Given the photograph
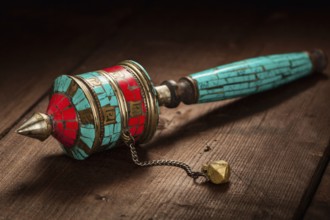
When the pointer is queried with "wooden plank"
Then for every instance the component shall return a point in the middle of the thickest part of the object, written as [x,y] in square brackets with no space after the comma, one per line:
[124,47]
[302,32]
[35,49]
[273,141]
[320,205]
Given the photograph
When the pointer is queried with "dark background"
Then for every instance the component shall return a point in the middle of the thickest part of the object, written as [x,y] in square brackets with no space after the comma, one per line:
[40,40]
[25,23]
[106,4]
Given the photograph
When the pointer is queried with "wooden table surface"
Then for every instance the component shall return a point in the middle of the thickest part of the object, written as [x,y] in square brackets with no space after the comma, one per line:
[277,142]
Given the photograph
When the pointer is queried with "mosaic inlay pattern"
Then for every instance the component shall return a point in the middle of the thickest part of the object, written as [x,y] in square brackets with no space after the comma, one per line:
[68,108]
[108,103]
[135,103]
[251,76]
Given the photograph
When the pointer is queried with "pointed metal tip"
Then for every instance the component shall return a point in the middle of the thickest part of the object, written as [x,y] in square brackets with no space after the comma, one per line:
[19,131]
[38,126]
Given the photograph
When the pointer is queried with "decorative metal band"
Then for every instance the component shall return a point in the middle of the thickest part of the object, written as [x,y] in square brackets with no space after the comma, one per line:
[120,96]
[94,108]
[150,97]
[96,147]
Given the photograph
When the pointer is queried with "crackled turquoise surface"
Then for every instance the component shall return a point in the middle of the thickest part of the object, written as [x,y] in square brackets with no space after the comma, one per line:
[251,76]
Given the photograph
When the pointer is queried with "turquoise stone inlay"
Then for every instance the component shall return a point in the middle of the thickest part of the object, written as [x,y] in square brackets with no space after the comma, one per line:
[87,134]
[62,83]
[251,76]
[79,154]
[106,97]
[80,101]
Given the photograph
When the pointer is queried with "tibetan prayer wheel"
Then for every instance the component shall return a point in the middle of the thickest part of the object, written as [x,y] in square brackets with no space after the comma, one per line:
[95,111]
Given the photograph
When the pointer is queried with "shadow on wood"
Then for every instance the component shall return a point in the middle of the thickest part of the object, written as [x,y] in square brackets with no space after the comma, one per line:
[239,109]
[66,177]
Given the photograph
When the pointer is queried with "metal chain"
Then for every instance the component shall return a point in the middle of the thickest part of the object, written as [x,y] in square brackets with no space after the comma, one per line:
[130,142]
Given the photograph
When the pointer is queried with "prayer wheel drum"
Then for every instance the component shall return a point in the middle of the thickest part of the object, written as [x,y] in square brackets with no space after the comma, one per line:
[89,111]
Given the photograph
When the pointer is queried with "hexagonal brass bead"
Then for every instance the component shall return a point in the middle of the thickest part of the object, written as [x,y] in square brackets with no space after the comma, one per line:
[218,172]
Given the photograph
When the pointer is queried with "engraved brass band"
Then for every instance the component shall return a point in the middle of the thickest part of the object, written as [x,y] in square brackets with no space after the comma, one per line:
[94,108]
[149,96]
[90,83]
[120,97]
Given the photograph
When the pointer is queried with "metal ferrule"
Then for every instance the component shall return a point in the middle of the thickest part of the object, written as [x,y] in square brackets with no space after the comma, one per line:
[171,93]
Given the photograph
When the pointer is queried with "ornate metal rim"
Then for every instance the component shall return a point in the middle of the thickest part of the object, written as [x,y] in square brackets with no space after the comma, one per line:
[149,95]
[120,97]
[95,112]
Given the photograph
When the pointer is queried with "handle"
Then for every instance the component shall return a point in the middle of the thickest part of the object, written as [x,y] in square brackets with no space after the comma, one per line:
[241,78]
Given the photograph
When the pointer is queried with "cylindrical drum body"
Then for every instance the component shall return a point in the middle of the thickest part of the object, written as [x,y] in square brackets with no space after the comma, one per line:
[90,111]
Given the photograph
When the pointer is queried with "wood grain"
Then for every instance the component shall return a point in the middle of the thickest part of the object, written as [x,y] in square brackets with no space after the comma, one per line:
[274,141]
[320,204]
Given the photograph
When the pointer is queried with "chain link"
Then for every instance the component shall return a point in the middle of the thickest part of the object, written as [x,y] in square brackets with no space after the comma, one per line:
[130,142]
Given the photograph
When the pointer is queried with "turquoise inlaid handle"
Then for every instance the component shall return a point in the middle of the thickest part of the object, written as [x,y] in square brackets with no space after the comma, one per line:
[252,75]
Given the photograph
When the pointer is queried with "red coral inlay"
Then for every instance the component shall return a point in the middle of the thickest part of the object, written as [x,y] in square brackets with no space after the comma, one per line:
[132,92]
[64,117]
